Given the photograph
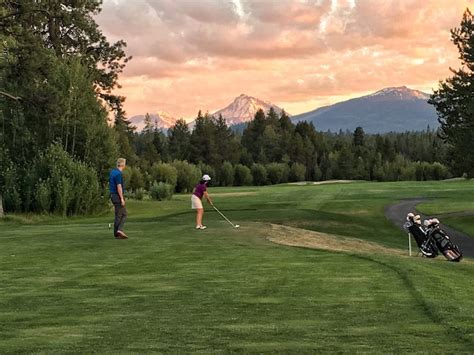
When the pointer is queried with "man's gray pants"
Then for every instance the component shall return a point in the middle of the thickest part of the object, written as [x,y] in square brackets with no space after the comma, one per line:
[120,213]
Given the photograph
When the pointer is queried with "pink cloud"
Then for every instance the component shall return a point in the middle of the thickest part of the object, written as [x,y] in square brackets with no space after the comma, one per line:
[191,55]
[288,13]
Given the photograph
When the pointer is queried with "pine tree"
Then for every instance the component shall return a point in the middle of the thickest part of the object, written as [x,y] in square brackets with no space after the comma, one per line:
[358,140]
[270,144]
[272,118]
[203,140]
[146,146]
[454,100]
[252,135]
[160,142]
[179,139]
[69,30]
[148,129]
[285,122]
[297,149]
[125,137]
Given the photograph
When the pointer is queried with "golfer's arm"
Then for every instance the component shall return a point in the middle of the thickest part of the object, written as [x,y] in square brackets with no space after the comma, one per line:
[120,192]
[208,198]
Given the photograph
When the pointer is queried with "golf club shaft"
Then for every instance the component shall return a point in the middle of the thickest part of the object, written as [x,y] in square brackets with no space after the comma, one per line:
[223,216]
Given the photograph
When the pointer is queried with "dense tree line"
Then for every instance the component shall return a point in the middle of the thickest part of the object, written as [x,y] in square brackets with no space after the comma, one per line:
[274,150]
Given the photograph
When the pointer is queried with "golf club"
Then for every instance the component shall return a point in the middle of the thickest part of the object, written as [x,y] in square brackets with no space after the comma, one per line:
[233,225]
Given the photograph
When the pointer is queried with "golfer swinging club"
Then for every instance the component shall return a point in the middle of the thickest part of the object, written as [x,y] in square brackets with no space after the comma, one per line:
[196,200]
[117,189]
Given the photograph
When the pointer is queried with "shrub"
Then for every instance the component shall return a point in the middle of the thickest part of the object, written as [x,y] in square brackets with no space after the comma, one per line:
[439,171]
[277,172]
[408,172]
[137,180]
[12,200]
[165,173]
[226,174]
[148,179]
[285,172]
[242,175]
[11,195]
[43,196]
[5,165]
[87,196]
[127,177]
[422,171]
[259,174]
[297,172]
[188,175]
[28,189]
[129,195]
[74,186]
[317,173]
[63,196]
[161,191]
[140,194]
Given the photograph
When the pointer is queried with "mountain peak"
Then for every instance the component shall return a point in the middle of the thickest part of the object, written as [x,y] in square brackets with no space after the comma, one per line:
[243,109]
[400,93]
[163,113]
[162,119]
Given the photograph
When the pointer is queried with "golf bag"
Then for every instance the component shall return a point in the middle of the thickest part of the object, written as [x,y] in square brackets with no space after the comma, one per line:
[442,241]
[427,246]
[431,239]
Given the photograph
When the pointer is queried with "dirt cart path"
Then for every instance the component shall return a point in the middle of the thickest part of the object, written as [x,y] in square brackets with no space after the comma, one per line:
[397,214]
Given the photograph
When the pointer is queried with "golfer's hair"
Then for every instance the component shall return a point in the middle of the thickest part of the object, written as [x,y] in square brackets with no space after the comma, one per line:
[121,162]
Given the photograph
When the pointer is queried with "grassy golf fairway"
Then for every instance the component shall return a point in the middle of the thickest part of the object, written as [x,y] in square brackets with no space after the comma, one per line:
[67,285]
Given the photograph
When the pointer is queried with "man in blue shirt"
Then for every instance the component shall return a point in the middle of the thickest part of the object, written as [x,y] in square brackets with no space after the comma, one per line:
[117,188]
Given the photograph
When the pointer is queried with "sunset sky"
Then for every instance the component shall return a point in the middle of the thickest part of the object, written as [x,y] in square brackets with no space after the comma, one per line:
[298,54]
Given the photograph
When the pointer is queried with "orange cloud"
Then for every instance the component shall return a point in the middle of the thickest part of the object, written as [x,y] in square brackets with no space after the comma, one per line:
[298,54]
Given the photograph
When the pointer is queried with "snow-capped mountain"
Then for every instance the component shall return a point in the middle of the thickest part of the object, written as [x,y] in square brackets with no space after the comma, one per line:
[398,93]
[394,109]
[243,109]
[161,119]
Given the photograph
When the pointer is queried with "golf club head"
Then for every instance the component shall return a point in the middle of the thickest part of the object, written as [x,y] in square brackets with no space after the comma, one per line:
[237,226]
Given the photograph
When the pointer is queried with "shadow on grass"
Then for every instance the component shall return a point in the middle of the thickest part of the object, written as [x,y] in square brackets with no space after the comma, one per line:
[418,298]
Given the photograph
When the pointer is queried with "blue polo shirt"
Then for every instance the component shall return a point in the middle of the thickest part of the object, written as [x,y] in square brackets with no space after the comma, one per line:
[115,178]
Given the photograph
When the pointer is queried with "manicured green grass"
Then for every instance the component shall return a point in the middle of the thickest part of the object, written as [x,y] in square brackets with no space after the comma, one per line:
[68,286]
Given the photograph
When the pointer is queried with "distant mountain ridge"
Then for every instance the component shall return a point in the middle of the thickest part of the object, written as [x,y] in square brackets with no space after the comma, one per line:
[395,109]
[241,110]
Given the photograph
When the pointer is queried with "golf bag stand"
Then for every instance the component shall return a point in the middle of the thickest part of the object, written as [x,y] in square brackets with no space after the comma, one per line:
[426,246]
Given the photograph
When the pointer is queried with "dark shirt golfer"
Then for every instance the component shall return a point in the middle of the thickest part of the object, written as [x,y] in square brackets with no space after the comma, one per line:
[200,191]
[117,188]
